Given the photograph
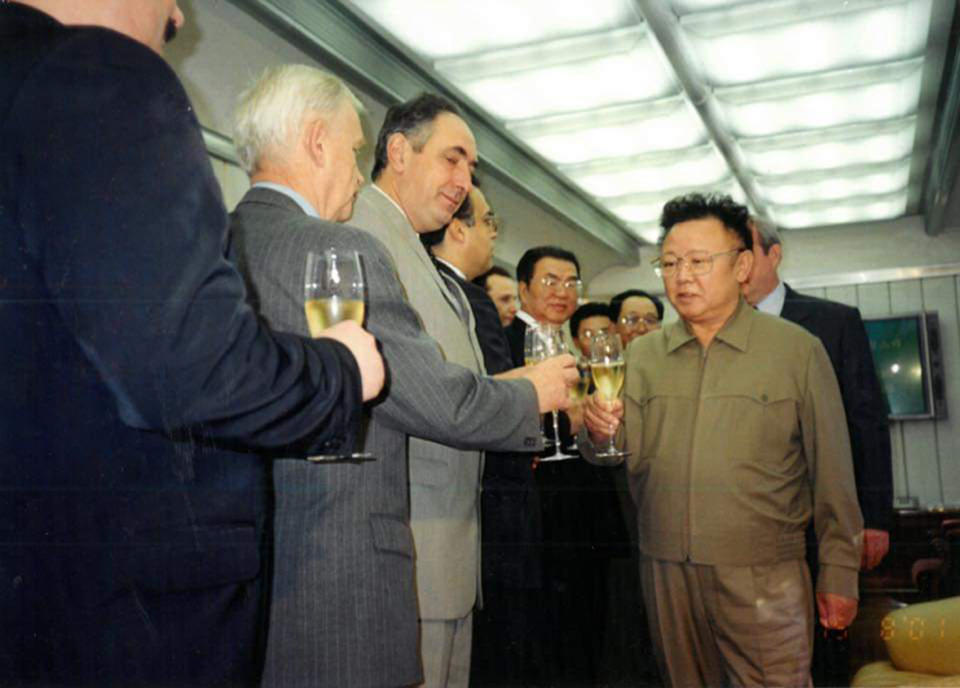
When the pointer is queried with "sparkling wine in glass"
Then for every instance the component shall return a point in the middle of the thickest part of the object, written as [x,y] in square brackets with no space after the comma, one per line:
[334,292]
[608,370]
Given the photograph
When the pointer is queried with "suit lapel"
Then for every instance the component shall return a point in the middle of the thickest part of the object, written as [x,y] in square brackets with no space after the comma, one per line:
[794,309]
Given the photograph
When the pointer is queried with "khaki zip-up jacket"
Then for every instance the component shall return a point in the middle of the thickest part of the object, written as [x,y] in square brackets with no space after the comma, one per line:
[736,447]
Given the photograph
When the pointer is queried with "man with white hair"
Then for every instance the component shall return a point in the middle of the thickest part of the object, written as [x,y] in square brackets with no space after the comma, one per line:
[344,608]
[137,386]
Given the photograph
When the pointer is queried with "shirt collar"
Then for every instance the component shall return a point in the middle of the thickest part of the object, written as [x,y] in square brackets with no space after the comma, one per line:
[772,303]
[735,332]
[291,194]
[527,318]
[390,198]
[457,271]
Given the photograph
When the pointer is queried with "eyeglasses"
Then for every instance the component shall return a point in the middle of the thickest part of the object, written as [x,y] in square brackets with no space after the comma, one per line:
[590,335]
[650,321]
[699,262]
[551,282]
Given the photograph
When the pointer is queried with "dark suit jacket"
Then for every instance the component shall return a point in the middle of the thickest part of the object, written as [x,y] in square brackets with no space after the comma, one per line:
[344,611]
[130,539]
[841,330]
[510,503]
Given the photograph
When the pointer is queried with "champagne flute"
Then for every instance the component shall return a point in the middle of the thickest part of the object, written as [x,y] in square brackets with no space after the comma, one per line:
[535,350]
[608,369]
[553,346]
[334,292]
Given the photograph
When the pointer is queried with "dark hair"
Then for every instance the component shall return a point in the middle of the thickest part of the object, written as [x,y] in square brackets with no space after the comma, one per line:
[495,270]
[616,303]
[464,213]
[528,261]
[587,310]
[696,206]
[413,119]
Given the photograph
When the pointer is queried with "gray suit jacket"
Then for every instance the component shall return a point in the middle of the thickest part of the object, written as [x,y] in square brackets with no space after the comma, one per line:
[344,604]
[445,480]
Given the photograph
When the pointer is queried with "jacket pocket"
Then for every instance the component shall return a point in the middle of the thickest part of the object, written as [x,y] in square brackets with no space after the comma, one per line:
[391,534]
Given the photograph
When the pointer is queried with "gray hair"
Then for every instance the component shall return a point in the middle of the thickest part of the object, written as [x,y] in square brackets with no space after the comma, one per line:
[767,232]
[273,108]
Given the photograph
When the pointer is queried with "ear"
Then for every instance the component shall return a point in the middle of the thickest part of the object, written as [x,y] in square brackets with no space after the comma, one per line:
[397,145]
[523,291]
[743,266]
[457,231]
[776,255]
[315,133]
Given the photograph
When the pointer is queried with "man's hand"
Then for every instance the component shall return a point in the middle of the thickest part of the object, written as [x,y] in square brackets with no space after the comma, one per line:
[551,378]
[876,544]
[836,611]
[363,346]
[602,417]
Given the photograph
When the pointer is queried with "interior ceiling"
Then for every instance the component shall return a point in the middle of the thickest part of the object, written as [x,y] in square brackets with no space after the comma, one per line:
[813,112]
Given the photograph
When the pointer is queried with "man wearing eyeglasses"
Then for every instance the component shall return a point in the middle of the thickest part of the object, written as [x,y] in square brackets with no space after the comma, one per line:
[579,508]
[737,437]
[636,313]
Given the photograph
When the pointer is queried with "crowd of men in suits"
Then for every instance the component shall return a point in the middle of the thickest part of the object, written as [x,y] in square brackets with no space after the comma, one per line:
[160,524]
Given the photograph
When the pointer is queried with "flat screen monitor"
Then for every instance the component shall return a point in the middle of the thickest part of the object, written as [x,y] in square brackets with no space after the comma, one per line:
[902,356]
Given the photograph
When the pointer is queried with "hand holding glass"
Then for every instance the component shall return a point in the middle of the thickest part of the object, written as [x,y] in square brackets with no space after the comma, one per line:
[607,366]
[333,292]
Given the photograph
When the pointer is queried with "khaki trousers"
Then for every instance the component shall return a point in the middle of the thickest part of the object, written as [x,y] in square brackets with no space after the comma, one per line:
[730,625]
[445,650]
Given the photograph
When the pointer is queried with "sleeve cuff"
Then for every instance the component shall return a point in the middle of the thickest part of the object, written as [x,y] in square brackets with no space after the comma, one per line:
[838,580]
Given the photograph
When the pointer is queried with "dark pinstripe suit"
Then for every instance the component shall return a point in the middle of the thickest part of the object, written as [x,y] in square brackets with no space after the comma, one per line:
[344,610]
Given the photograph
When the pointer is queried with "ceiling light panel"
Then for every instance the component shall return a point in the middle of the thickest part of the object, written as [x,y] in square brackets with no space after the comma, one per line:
[859,181]
[650,174]
[890,92]
[441,28]
[613,132]
[643,209]
[865,209]
[636,74]
[831,148]
[873,32]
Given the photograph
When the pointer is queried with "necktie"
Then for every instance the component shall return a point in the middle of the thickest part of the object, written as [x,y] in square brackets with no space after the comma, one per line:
[454,290]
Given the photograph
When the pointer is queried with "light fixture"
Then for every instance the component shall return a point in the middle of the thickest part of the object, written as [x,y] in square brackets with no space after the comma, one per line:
[656,172]
[832,148]
[765,40]
[440,28]
[835,184]
[873,93]
[559,77]
[641,209]
[863,209]
[617,131]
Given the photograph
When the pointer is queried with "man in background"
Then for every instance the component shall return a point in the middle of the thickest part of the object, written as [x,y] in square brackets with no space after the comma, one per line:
[137,384]
[424,160]
[840,328]
[588,321]
[636,313]
[502,290]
